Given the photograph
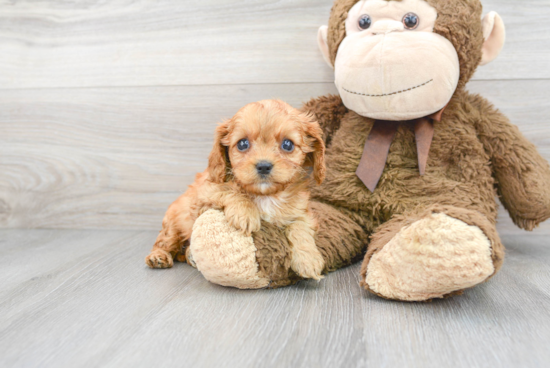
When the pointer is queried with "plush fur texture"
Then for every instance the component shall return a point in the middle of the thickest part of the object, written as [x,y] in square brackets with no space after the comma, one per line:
[223,255]
[432,257]
[475,155]
[273,250]
[432,253]
[473,145]
[439,228]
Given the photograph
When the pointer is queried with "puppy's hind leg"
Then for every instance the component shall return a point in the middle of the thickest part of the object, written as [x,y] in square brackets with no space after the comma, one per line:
[168,244]
[306,259]
[174,236]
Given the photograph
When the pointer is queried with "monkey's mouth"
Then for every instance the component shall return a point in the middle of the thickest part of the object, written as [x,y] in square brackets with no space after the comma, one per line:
[388,94]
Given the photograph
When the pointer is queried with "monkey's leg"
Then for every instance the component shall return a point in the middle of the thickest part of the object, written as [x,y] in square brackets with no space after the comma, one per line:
[431,253]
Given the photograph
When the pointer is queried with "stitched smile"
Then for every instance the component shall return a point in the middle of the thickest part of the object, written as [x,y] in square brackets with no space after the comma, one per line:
[388,94]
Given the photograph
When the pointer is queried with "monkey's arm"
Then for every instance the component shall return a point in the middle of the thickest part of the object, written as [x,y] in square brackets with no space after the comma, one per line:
[328,111]
[339,239]
[522,175]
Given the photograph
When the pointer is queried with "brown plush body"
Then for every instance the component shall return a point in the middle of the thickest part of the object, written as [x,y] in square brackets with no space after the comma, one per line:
[473,147]
[420,236]
[475,150]
[476,154]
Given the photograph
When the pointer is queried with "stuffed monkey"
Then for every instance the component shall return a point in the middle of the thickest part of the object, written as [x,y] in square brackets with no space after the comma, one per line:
[414,162]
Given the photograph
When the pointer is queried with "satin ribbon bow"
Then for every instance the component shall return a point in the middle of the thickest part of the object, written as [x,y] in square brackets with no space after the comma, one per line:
[379,141]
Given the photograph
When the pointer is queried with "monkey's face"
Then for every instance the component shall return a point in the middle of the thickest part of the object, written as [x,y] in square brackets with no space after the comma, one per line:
[391,65]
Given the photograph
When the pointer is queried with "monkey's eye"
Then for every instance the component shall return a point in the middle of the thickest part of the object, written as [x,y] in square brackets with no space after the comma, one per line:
[411,21]
[364,22]
[243,145]
[287,145]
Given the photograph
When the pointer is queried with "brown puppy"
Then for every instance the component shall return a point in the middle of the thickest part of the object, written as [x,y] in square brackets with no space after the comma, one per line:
[256,171]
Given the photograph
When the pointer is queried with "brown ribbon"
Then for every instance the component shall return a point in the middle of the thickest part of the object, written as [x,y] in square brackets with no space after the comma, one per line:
[378,145]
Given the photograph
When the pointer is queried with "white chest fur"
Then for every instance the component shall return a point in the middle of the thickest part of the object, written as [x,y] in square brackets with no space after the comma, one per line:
[271,207]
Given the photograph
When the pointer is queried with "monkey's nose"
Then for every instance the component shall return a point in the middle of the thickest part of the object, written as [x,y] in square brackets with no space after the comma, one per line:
[264,167]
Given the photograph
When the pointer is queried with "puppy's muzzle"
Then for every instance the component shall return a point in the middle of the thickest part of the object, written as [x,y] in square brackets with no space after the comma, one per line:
[264,168]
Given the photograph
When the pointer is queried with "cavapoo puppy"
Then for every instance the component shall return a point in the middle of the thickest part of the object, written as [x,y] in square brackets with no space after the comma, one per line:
[256,171]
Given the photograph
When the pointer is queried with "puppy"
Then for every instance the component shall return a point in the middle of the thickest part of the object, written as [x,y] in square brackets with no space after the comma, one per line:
[256,171]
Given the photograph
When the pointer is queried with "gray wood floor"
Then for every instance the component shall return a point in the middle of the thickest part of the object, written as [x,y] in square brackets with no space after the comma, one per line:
[84,298]
[107,109]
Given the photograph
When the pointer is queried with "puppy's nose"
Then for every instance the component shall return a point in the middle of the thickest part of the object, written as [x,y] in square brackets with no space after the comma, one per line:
[264,167]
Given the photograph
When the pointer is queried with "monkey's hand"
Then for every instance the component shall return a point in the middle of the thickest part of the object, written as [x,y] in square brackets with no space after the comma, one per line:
[526,194]
[522,175]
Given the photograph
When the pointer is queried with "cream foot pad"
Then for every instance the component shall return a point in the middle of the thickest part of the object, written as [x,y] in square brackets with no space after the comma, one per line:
[429,259]
[223,255]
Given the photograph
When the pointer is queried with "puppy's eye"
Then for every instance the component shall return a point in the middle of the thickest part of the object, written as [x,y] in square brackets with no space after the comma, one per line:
[411,21]
[243,145]
[287,145]
[364,22]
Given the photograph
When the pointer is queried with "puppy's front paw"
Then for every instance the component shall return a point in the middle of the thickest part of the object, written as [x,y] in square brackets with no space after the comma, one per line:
[247,222]
[159,259]
[308,263]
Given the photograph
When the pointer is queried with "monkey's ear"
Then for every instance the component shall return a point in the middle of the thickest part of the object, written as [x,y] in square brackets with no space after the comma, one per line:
[494,35]
[323,44]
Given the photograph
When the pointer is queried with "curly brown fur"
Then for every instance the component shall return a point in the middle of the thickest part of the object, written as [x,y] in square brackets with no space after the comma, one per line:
[522,175]
[274,256]
[473,145]
[475,155]
[334,226]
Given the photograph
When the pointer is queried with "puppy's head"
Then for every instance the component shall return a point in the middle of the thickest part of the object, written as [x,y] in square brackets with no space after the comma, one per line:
[266,146]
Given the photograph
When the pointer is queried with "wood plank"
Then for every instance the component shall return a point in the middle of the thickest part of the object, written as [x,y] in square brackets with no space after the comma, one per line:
[94,303]
[58,43]
[51,245]
[117,157]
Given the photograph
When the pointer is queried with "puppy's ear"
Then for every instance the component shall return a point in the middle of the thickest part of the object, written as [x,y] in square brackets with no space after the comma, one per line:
[314,139]
[218,161]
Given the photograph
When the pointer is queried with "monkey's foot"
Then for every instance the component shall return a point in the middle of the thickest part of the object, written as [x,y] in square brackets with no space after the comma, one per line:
[223,254]
[433,257]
